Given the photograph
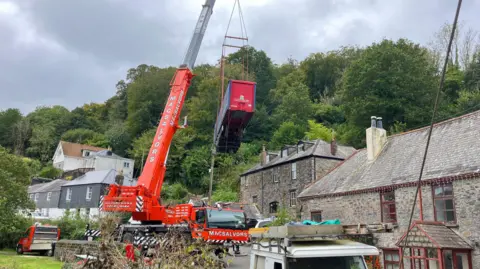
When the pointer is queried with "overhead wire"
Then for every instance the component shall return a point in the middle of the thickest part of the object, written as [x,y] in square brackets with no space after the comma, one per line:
[434,113]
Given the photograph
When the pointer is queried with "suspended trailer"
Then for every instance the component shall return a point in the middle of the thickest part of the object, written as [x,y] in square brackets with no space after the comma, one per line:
[237,109]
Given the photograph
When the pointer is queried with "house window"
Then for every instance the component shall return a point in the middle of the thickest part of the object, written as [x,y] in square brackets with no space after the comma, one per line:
[126,164]
[293,198]
[87,153]
[69,195]
[284,153]
[36,196]
[316,216]
[294,170]
[31,196]
[49,196]
[389,213]
[443,203]
[89,193]
[254,199]
[273,207]
[275,175]
[391,259]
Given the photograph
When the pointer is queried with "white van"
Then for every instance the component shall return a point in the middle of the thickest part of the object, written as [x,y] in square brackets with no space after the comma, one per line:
[295,247]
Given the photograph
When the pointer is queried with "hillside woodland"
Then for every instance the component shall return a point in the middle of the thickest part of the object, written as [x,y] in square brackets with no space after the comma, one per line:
[327,92]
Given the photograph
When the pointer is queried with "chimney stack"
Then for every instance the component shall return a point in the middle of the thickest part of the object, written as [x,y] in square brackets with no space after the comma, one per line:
[333,144]
[376,138]
[379,122]
[263,156]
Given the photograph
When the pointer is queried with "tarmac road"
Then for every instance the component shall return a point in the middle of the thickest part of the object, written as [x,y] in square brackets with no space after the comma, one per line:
[242,261]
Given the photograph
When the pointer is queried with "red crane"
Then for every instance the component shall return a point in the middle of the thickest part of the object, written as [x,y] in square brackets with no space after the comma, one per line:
[143,200]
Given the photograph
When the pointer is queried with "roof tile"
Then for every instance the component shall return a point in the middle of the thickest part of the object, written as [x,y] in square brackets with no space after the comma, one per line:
[453,150]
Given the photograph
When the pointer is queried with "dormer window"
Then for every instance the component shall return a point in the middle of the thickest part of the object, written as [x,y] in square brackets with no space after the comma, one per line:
[284,152]
[86,153]
[267,158]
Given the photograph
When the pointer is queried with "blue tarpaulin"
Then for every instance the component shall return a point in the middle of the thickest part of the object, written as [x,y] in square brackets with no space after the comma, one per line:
[327,222]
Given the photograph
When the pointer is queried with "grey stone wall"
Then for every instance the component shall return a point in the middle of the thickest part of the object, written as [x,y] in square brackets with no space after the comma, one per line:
[366,208]
[261,184]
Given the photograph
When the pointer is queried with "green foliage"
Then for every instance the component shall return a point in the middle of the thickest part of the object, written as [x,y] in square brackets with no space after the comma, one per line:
[8,120]
[147,90]
[328,114]
[261,66]
[174,193]
[50,172]
[72,225]
[287,134]
[397,127]
[85,136]
[33,166]
[221,195]
[14,181]
[282,217]
[393,79]
[318,131]
[48,124]
[324,71]
[468,101]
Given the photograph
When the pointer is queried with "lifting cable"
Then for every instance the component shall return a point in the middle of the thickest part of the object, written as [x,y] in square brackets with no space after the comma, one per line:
[434,114]
[245,49]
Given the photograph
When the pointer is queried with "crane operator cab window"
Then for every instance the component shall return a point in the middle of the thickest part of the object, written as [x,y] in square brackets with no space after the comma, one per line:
[200,216]
[226,219]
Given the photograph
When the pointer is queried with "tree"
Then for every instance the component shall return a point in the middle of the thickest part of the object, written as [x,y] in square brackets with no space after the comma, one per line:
[47,124]
[118,138]
[14,182]
[147,89]
[85,136]
[394,80]
[472,74]
[293,102]
[287,134]
[8,120]
[50,172]
[261,66]
[318,131]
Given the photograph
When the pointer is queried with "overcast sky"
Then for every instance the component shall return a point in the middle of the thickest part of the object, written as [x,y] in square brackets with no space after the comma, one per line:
[70,52]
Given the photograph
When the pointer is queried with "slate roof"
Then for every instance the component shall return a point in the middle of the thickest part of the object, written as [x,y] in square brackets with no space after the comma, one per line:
[319,148]
[54,185]
[453,150]
[75,149]
[96,177]
[433,235]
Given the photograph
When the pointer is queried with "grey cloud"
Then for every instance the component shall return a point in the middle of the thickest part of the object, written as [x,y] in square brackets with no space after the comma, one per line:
[101,39]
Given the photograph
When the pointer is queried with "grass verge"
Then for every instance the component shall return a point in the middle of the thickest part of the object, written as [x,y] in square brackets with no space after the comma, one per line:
[9,259]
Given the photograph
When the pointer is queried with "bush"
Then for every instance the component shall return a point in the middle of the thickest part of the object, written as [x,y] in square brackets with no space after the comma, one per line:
[72,226]
[11,234]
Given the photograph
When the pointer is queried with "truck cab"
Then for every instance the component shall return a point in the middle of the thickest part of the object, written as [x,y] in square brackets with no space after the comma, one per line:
[292,247]
[39,238]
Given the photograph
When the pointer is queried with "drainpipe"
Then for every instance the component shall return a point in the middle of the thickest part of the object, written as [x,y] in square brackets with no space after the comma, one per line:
[262,192]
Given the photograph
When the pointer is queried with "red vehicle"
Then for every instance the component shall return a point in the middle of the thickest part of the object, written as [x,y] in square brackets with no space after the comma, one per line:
[238,106]
[40,239]
[143,200]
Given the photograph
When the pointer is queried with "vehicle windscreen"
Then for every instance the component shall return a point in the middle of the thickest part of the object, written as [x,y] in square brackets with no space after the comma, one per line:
[225,219]
[326,262]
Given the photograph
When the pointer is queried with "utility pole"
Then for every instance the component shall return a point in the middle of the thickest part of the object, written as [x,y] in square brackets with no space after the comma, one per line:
[214,152]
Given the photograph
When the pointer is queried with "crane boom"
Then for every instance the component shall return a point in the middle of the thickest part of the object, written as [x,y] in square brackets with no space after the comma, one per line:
[155,165]
[200,28]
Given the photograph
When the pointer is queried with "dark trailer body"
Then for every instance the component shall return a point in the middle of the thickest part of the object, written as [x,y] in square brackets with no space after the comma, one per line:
[237,108]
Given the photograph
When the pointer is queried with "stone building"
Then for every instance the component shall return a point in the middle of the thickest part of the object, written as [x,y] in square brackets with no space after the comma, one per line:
[281,176]
[378,185]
